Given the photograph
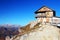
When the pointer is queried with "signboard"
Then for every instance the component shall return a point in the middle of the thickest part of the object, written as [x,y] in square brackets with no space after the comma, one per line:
[49,14]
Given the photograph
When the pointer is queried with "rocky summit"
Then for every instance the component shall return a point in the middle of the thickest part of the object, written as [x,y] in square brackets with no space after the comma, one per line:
[39,32]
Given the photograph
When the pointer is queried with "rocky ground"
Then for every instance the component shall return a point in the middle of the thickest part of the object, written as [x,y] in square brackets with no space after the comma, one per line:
[39,32]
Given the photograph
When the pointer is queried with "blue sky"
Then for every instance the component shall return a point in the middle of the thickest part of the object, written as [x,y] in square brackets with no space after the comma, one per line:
[21,12]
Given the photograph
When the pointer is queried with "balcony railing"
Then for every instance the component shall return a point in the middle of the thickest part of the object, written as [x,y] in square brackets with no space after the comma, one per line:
[40,15]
